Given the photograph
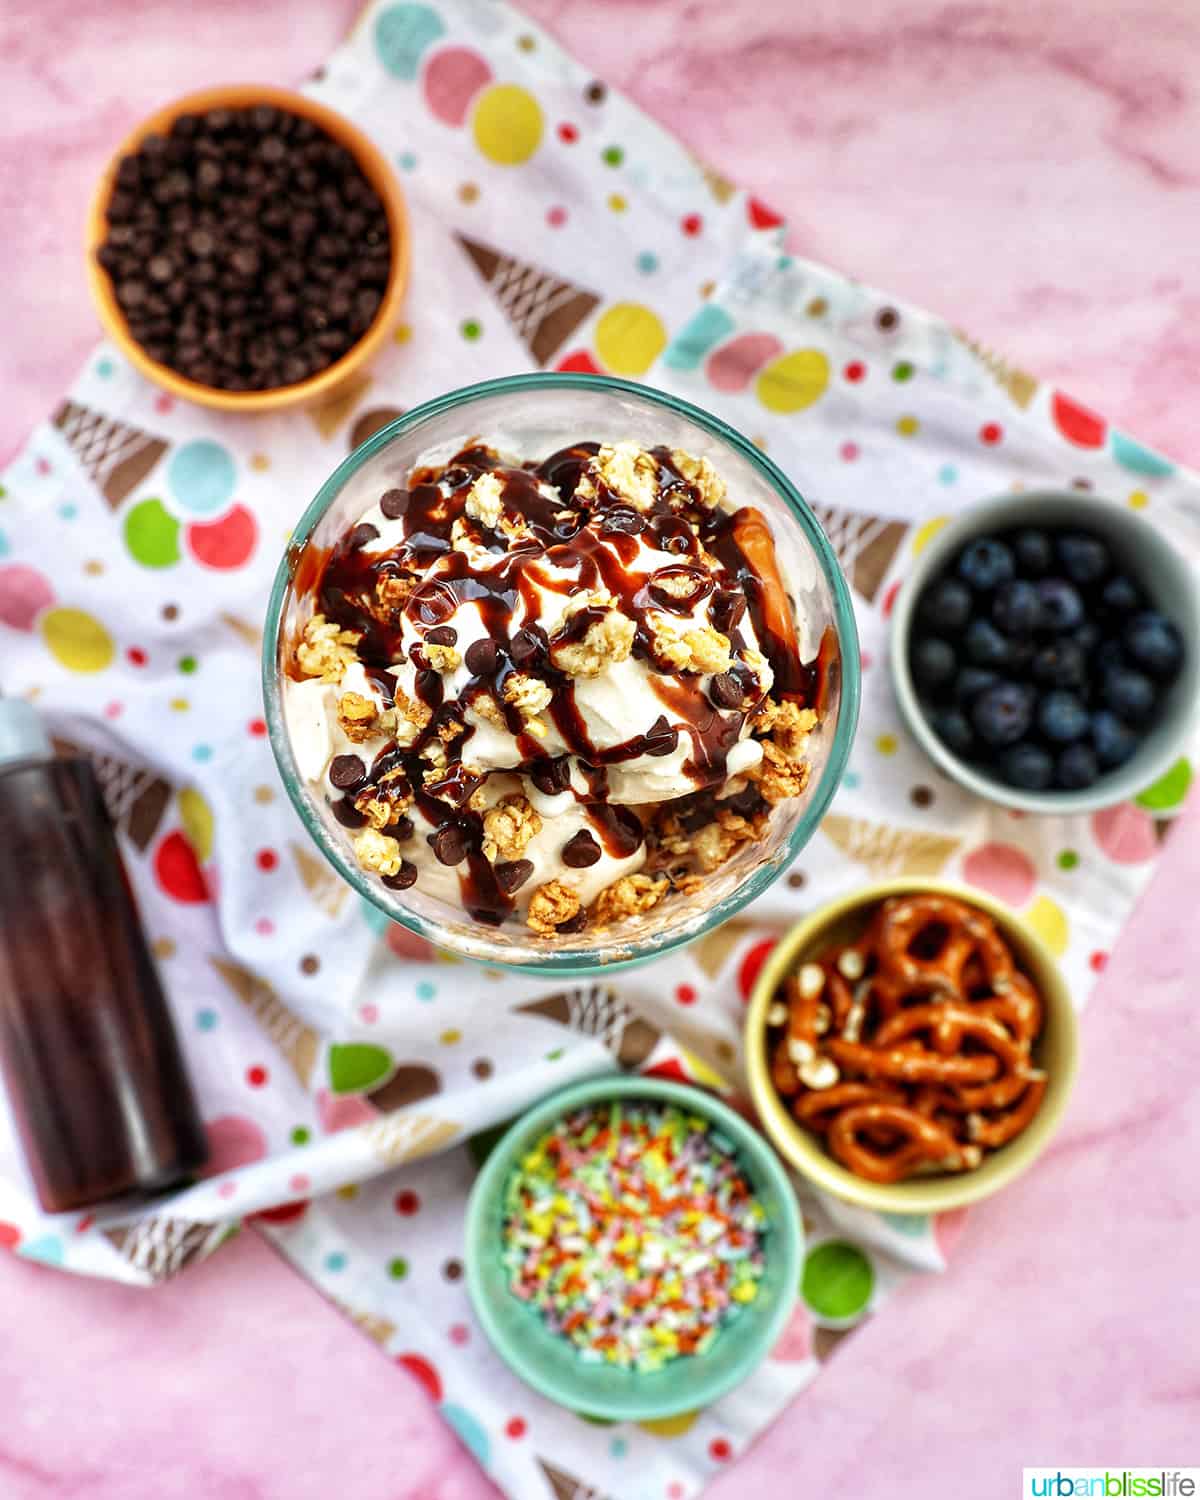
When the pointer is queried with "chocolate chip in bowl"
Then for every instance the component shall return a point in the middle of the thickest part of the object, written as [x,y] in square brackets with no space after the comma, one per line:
[248,248]
[911,1047]
[1044,651]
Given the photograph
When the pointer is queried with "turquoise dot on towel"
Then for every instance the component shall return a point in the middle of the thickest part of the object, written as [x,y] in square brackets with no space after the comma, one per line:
[104,368]
[426,991]
[68,511]
[335,1262]
[618,1448]
[202,753]
[850,780]
[407,160]
[201,475]
[647,261]
[3,545]
[947,474]
[402,35]
[206,1020]
[470,1430]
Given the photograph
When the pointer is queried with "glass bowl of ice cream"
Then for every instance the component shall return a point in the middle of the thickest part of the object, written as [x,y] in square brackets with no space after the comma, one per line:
[560,671]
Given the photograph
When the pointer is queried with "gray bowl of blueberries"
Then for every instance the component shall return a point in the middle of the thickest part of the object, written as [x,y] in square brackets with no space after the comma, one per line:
[1045,651]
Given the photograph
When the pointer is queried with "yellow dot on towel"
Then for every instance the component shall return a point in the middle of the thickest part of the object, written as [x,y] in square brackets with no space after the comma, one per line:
[402,334]
[907,426]
[507,124]
[887,744]
[448,1038]
[163,948]
[793,381]
[1049,921]
[259,462]
[349,1191]
[180,705]
[629,338]
[925,533]
[1139,499]
[77,640]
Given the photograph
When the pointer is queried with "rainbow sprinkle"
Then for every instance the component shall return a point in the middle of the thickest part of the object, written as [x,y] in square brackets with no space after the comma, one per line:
[632,1230]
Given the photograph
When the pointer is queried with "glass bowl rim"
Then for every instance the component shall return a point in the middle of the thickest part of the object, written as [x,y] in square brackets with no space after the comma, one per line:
[654,945]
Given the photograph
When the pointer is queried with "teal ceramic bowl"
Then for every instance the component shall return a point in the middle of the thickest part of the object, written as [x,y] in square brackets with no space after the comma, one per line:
[548,1362]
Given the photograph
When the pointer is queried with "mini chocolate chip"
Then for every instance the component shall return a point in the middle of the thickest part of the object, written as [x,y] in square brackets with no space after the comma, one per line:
[402,829]
[347,772]
[745,803]
[552,776]
[580,851]
[511,874]
[726,609]
[525,648]
[481,657]
[442,635]
[573,924]
[346,813]
[449,843]
[405,876]
[363,533]
[725,690]
[660,738]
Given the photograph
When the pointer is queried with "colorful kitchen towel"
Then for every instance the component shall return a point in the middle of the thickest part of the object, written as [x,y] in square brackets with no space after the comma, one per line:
[350,1077]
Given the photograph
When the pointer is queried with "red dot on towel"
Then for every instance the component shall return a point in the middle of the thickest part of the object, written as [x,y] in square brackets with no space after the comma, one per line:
[991,432]
[567,133]
[685,994]
[720,1450]
[691,224]
[137,656]
[256,1076]
[516,1427]
[406,1202]
[855,370]
[257,728]
[266,859]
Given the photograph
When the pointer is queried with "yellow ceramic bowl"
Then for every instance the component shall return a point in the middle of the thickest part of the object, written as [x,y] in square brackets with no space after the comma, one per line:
[374,166]
[1056,1051]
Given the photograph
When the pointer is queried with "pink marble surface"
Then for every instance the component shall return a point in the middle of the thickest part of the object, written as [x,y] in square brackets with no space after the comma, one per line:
[1033,173]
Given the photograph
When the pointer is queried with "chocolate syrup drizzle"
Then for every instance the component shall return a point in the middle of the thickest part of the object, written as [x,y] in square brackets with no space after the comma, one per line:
[596,542]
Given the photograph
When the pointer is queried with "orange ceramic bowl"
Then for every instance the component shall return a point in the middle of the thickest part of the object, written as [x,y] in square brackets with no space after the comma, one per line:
[374,166]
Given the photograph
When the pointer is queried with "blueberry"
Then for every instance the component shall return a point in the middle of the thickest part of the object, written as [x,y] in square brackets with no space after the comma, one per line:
[1027,766]
[1120,595]
[1034,553]
[1061,606]
[1062,664]
[1107,655]
[1087,637]
[1015,608]
[1115,742]
[971,681]
[951,727]
[1154,644]
[985,646]
[1062,717]
[1076,767]
[1001,714]
[985,564]
[1084,558]
[933,662]
[1129,694]
[946,605]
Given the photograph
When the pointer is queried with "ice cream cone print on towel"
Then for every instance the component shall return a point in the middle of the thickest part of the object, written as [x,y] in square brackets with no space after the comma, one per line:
[566,1486]
[401,1138]
[327,889]
[135,797]
[298,1043]
[889,851]
[865,544]
[1018,383]
[543,309]
[596,1011]
[160,1248]
[116,457]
